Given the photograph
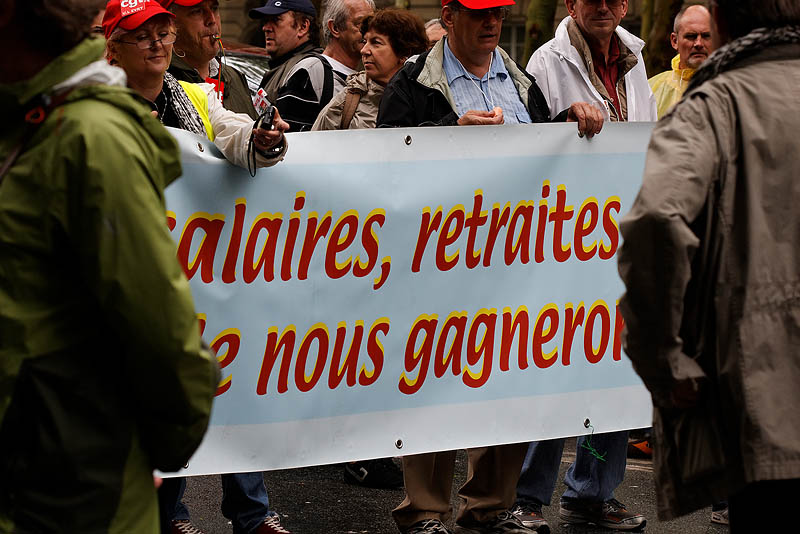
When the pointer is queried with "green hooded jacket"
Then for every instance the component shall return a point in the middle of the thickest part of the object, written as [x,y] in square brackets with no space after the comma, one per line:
[103,377]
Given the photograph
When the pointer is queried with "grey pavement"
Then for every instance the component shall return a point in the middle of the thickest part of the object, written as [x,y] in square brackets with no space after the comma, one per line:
[317,500]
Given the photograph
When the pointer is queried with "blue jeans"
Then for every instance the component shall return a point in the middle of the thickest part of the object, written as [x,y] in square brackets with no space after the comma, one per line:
[244,501]
[588,478]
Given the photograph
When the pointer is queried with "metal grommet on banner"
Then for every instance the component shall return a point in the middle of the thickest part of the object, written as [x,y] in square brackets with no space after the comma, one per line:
[200,147]
[399,443]
[408,139]
[588,443]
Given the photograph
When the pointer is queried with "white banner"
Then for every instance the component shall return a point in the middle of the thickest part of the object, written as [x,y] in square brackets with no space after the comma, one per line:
[390,292]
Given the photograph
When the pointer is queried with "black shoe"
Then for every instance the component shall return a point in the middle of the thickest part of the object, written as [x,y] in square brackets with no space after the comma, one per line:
[381,473]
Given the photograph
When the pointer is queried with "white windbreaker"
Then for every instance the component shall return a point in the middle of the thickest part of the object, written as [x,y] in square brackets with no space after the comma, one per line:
[561,75]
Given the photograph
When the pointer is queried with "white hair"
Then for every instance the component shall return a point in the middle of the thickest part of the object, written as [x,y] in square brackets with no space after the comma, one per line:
[337,11]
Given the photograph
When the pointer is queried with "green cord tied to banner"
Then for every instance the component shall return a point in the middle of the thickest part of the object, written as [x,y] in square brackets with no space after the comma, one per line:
[588,443]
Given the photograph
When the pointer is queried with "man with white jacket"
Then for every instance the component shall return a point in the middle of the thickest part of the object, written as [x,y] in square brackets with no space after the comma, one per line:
[590,59]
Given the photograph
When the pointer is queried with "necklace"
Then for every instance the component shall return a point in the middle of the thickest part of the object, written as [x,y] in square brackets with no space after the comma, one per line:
[488,100]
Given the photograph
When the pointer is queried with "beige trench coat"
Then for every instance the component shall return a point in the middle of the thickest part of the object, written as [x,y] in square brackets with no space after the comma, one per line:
[711,261]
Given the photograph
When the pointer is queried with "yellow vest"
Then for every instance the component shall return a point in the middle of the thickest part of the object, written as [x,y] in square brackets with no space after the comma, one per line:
[200,102]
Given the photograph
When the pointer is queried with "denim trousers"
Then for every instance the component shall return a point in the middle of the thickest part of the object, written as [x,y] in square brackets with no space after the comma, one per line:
[588,478]
[244,501]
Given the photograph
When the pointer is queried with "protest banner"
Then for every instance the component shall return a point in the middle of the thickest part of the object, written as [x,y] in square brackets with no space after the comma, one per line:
[397,291]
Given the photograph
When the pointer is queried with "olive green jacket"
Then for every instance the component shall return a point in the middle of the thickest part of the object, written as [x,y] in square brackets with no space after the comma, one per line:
[102,374]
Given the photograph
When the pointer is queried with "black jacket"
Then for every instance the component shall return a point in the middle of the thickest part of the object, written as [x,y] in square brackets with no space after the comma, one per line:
[407,102]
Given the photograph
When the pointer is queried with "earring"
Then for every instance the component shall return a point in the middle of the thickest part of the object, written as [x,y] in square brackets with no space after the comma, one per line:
[179,53]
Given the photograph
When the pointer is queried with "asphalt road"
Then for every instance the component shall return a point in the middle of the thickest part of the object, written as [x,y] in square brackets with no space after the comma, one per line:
[317,500]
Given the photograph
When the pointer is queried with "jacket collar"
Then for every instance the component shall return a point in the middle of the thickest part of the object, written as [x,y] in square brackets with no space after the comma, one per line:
[562,45]
[678,72]
[432,74]
[308,46]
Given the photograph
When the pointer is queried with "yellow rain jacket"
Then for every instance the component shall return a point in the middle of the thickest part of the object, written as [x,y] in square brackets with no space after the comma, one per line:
[668,87]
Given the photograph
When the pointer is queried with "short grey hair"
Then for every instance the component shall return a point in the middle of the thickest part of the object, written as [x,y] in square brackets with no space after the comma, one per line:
[337,11]
[435,22]
[682,12]
[743,16]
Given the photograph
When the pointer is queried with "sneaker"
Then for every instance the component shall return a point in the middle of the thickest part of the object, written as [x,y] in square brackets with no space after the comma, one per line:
[610,514]
[530,515]
[381,473]
[183,526]
[427,526]
[271,525]
[505,523]
[720,517]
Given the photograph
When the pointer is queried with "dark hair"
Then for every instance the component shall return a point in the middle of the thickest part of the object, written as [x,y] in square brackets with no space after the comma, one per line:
[313,27]
[405,30]
[740,17]
[59,25]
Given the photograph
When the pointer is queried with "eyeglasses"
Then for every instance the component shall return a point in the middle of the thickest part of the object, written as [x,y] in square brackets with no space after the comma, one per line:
[499,13]
[143,43]
[611,4]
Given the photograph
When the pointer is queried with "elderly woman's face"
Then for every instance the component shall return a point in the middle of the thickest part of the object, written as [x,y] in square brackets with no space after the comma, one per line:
[380,61]
[142,52]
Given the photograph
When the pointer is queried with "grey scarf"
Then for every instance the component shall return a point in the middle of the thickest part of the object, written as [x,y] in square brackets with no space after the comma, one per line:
[188,117]
[755,41]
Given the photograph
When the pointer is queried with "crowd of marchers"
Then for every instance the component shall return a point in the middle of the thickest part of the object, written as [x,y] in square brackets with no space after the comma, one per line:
[104,377]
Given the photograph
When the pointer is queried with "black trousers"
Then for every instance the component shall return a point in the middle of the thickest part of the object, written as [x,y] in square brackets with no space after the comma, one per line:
[764,507]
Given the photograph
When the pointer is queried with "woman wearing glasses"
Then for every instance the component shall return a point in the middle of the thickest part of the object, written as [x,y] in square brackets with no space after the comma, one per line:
[140,35]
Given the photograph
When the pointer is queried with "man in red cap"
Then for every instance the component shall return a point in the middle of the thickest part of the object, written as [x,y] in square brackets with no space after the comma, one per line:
[194,57]
[467,79]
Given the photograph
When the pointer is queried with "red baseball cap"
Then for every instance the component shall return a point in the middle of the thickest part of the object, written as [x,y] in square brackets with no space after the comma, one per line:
[185,3]
[130,14]
[481,4]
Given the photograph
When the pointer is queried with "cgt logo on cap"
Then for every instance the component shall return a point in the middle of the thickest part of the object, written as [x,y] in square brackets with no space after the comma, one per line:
[129,7]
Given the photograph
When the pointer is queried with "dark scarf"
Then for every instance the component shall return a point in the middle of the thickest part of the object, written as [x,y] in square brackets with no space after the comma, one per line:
[727,56]
[178,101]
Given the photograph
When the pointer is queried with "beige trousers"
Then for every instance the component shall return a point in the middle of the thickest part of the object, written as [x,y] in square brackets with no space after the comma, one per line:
[491,485]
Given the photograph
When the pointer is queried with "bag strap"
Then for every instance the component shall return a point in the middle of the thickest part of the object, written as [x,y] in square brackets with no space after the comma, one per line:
[351,101]
[42,107]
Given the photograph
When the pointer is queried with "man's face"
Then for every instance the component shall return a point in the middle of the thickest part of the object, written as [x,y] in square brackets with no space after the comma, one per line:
[693,38]
[597,19]
[197,26]
[350,36]
[283,33]
[473,31]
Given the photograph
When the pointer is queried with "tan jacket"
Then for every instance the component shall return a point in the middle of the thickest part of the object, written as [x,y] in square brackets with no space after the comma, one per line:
[711,264]
[366,114]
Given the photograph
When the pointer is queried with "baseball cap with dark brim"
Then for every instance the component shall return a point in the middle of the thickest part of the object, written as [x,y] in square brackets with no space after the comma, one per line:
[278,7]
[481,4]
[131,15]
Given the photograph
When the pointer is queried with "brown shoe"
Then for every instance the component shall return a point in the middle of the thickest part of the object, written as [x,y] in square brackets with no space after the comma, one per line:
[271,525]
[610,514]
[183,526]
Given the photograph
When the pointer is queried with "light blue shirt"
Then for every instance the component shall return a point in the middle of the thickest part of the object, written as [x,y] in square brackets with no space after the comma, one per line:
[496,88]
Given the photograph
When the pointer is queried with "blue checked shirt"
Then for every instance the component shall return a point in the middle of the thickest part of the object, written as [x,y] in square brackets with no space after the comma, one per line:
[497,86]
